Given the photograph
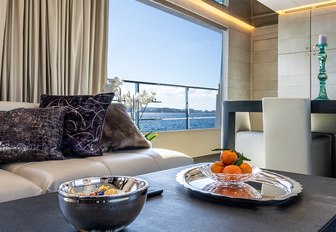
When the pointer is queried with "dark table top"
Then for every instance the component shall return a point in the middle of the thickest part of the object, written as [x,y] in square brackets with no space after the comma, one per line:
[178,209]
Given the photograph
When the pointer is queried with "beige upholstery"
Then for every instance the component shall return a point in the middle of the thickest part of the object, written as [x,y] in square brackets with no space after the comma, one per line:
[136,162]
[242,121]
[288,139]
[127,163]
[50,174]
[326,124]
[250,143]
[8,105]
[166,158]
[16,187]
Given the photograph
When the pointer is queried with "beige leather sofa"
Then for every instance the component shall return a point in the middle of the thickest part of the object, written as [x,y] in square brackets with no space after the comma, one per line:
[27,179]
[249,142]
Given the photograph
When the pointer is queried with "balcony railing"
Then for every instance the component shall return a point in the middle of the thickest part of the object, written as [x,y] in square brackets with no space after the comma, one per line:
[193,118]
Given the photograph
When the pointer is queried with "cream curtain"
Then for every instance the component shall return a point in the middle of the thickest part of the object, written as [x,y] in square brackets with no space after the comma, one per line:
[52,46]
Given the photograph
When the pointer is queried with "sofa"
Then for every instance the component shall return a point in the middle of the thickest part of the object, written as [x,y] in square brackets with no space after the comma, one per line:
[26,179]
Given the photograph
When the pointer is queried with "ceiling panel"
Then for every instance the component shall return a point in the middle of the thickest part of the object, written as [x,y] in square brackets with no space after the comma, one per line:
[304,2]
[279,5]
[286,4]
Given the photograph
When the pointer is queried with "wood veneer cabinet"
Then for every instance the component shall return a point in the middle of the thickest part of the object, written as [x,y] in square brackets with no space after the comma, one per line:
[294,33]
[294,55]
[298,63]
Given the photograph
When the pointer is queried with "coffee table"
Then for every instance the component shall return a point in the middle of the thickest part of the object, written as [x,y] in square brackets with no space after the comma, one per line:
[179,209]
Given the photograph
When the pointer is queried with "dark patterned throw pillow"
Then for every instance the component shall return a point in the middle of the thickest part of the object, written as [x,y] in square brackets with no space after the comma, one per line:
[83,122]
[120,132]
[31,134]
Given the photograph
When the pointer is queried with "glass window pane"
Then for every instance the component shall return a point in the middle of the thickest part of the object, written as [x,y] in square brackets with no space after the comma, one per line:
[167,113]
[202,108]
[157,47]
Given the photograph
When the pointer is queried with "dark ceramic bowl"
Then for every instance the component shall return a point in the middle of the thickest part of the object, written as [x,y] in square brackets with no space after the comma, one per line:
[85,209]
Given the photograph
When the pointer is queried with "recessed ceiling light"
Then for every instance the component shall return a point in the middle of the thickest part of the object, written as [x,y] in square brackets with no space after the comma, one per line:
[222,14]
[307,7]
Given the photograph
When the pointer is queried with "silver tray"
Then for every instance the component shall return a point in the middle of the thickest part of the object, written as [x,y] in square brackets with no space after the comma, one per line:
[267,188]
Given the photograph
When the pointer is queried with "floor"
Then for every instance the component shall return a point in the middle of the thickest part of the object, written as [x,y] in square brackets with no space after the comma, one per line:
[207,158]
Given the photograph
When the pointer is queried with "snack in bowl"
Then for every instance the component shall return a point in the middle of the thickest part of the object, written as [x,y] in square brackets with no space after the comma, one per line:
[231,169]
[104,189]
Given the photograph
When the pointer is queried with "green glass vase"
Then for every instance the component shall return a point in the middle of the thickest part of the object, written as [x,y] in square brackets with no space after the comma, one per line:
[322,76]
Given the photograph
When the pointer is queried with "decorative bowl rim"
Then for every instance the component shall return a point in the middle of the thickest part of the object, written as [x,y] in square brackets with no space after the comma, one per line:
[84,197]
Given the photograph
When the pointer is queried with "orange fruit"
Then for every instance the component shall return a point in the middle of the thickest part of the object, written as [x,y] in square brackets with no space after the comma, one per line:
[228,157]
[245,168]
[217,167]
[233,192]
[232,169]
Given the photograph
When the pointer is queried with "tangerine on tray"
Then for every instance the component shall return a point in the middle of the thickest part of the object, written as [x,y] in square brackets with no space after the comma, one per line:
[236,192]
[217,167]
[228,157]
[245,168]
[232,169]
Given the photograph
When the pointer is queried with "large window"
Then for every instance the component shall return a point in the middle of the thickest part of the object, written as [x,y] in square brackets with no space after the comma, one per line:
[146,44]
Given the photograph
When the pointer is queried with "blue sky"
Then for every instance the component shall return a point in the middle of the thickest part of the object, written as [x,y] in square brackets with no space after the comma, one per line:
[147,44]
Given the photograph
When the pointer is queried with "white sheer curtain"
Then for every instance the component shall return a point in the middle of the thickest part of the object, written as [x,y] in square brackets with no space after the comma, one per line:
[52,46]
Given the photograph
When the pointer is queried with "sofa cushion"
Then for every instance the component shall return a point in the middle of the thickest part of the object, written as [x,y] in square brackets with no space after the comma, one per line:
[9,105]
[48,175]
[251,144]
[16,187]
[167,158]
[127,162]
[120,132]
[83,122]
[136,162]
[31,134]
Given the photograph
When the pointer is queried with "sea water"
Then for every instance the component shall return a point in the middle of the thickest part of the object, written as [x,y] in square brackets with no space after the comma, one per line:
[176,121]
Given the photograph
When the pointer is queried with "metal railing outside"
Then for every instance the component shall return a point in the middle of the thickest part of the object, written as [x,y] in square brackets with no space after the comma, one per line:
[187,89]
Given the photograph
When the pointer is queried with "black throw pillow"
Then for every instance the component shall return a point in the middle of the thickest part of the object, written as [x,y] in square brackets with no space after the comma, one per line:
[31,134]
[83,122]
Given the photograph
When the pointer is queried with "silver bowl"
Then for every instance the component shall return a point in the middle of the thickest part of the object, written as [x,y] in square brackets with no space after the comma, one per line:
[102,212]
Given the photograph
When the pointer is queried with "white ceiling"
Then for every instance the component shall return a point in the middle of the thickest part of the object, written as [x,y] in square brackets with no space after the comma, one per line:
[286,4]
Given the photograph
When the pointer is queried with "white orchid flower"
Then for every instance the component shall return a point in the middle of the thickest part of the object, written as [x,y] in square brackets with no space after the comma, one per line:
[116,82]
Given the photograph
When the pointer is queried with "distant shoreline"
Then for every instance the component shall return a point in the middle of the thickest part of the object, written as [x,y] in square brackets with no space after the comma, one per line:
[169,121]
[174,110]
